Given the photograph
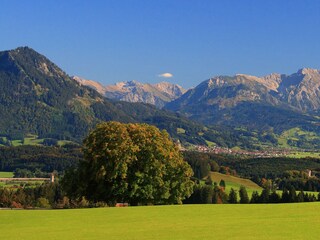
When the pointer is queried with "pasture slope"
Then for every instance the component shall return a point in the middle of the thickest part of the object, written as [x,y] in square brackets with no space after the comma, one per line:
[280,221]
[235,182]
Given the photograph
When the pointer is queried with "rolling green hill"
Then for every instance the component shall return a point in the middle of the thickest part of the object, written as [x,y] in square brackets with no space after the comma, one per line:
[235,182]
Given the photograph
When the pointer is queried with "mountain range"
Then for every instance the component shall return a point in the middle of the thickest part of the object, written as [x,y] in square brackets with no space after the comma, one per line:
[37,97]
[269,109]
[278,110]
[133,91]
[229,100]
[283,108]
[299,91]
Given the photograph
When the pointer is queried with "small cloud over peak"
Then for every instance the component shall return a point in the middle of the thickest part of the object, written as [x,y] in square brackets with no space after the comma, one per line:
[166,75]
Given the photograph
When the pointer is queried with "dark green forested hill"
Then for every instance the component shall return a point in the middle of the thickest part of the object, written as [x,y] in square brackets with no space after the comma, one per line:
[37,97]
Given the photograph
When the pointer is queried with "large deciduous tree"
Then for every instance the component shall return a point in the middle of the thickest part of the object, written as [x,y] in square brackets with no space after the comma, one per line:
[135,163]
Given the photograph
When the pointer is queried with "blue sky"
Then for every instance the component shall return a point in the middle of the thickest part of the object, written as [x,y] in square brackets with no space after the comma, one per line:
[111,41]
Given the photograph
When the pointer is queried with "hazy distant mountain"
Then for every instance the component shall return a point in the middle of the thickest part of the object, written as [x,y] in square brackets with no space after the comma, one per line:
[133,91]
[299,91]
[90,83]
[275,101]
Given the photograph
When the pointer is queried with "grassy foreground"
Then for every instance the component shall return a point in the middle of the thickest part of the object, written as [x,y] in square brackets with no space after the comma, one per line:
[282,221]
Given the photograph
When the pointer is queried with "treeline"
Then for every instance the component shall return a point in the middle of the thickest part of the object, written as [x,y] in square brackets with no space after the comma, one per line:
[46,195]
[214,194]
[51,195]
[202,164]
[271,168]
[43,196]
[288,196]
[299,180]
[38,158]
[25,173]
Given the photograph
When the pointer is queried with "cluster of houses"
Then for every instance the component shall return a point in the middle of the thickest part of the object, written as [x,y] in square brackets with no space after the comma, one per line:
[258,153]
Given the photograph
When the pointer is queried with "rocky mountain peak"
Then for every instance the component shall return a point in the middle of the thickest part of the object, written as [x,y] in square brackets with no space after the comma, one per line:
[299,91]
[308,71]
[24,49]
[95,85]
[134,91]
[216,81]
[174,90]
[32,58]
[132,83]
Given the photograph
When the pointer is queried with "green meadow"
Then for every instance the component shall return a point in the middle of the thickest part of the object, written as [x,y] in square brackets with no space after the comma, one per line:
[16,183]
[235,182]
[264,221]
[6,174]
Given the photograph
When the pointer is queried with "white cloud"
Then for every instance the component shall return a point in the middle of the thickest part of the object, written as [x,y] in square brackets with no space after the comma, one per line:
[166,75]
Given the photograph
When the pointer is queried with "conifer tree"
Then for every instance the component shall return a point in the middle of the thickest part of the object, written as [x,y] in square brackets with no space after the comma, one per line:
[244,198]
[233,196]
[222,184]
[254,197]
[300,197]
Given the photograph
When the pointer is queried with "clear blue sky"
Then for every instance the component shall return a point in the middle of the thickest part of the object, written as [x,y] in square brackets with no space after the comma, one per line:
[111,41]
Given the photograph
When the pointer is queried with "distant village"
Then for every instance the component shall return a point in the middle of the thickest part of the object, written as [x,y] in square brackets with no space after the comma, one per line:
[267,153]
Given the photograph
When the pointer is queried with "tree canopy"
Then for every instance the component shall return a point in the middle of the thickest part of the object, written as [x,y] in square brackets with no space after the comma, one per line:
[135,163]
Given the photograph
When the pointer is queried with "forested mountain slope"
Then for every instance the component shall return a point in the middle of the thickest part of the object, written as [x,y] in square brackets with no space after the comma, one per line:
[37,97]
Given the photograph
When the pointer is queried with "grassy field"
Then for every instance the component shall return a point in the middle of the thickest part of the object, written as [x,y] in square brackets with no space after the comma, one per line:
[63,142]
[235,182]
[6,174]
[282,221]
[181,131]
[31,139]
[298,154]
[16,183]
[294,134]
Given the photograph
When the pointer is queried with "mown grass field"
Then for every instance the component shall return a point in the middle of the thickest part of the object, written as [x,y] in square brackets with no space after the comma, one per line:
[16,183]
[281,221]
[6,174]
[31,184]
